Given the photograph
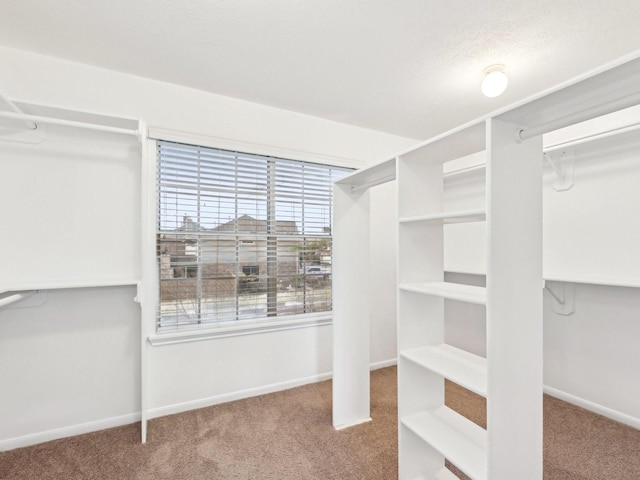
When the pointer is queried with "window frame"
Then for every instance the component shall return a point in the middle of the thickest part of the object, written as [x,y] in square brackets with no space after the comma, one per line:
[261,324]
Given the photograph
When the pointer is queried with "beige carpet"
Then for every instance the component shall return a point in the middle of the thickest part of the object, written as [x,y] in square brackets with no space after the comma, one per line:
[288,435]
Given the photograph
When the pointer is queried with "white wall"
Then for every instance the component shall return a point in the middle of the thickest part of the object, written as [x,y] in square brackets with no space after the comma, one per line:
[591,357]
[71,364]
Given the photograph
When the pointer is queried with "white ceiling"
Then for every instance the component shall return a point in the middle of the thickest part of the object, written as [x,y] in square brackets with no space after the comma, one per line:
[406,67]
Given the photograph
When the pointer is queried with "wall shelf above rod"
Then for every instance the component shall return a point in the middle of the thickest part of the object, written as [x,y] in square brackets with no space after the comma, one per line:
[607,282]
[35,119]
[581,116]
[371,176]
[52,285]
[628,130]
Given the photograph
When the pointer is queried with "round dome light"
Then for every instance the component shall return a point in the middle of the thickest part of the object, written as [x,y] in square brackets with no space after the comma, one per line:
[495,81]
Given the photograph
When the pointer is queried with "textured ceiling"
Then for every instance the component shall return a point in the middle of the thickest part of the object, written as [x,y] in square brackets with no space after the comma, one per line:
[407,67]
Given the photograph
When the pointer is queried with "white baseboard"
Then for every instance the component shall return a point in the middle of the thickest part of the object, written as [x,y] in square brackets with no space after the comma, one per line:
[230,397]
[352,424]
[594,407]
[383,364]
[250,392]
[70,431]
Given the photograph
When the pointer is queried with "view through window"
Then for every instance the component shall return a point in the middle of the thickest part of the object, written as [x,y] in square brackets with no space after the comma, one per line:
[241,236]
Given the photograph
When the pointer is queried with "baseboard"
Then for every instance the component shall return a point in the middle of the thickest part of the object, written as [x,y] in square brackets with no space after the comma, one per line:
[352,424]
[230,397]
[70,431]
[47,436]
[383,364]
[594,407]
[250,392]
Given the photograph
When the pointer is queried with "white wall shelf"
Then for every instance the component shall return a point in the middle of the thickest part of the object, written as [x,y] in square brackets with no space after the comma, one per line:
[459,366]
[452,291]
[458,439]
[375,175]
[60,285]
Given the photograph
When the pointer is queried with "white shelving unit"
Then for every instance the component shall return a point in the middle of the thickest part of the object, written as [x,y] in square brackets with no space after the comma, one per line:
[430,432]
[510,377]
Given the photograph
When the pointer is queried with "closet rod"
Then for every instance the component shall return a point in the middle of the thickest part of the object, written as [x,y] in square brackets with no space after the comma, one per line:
[590,138]
[581,116]
[16,297]
[379,181]
[68,123]
[12,106]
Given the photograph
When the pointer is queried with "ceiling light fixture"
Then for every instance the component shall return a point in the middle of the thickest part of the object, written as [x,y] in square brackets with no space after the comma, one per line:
[495,81]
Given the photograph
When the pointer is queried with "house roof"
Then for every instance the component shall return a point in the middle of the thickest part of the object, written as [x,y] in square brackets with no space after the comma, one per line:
[243,224]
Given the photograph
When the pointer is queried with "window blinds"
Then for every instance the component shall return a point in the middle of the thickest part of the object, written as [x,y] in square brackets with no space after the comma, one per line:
[241,236]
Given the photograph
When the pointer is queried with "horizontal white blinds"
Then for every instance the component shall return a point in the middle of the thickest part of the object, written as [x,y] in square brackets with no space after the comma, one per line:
[241,236]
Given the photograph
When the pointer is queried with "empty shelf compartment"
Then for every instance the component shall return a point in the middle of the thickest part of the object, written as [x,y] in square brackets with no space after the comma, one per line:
[457,439]
[452,291]
[459,366]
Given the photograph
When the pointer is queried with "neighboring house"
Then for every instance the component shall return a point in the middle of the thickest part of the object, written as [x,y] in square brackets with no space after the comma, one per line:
[234,255]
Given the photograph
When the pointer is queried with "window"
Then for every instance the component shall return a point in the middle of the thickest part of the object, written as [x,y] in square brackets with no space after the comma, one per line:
[241,236]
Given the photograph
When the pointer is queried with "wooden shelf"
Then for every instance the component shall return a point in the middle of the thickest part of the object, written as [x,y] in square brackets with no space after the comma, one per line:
[461,367]
[459,440]
[449,217]
[452,291]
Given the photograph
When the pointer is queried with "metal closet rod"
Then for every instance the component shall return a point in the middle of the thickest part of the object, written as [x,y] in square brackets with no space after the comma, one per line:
[16,297]
[68,123]
[380,181]
[581,116]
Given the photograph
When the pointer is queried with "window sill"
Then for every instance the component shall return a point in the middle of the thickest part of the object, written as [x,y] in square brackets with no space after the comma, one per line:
[183,335]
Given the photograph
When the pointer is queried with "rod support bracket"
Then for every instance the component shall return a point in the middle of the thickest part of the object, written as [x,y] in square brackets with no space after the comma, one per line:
[564,299]
[563,165]
[517,135]
[138,296]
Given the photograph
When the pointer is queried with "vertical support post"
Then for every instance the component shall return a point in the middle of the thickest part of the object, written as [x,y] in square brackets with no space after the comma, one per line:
[350,273]
[148,288]
[514,304]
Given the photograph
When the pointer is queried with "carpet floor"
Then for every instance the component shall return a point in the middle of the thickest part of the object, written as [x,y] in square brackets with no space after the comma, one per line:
[288,435]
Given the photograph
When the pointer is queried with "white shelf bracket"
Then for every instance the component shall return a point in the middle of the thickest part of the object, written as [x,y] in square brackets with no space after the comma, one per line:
[27,132]
[563,167]
[138,297]
[563,301]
